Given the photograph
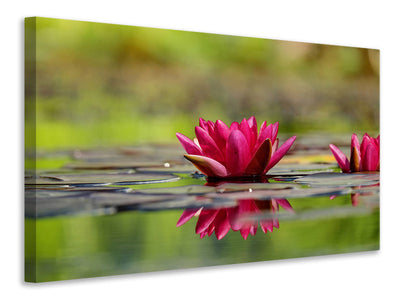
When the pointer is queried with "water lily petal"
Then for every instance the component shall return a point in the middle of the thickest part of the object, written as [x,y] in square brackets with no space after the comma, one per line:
[234,126]
[355,155]
[252,123]
[260,159]
[254,132]
[366,140]
[274,131]
[377,142]
[186,216]
[188,144]
[208,166]
[370,160]
[355,160]
[280,152]
[221,135]
[341,158]
[208,145]
[237,153]
[262,127]
[268,132]
[210,127]
[263,134]
[196,141]
[203,123]
[275,146]
[245,129]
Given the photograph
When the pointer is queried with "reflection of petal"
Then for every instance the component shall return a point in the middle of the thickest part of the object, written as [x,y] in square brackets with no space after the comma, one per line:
[266,225]
[244,217]
[222,225]
[232,214]
[285,204]
[245,230]
[205,219]
[186,215]
[355,199]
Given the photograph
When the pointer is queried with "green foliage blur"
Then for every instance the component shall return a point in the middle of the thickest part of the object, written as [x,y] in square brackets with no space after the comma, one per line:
[92,84]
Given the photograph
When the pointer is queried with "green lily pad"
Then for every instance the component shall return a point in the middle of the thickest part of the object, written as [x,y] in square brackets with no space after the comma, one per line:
[169,168]
[233,187]
[100,179]
[105,165]
[134,199]
[281,193]
[180,190]
[301,169]
[339,179]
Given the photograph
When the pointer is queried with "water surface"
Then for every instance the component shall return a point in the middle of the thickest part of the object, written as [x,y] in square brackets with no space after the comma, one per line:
[109,211]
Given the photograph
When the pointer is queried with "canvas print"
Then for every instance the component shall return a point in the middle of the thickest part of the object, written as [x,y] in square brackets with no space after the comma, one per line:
[152,149]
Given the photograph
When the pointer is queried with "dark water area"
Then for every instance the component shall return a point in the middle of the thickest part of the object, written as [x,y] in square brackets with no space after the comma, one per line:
[121,210]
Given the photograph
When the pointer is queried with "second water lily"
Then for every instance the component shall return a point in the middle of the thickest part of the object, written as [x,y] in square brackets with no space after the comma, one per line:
[364,157]
[235,151]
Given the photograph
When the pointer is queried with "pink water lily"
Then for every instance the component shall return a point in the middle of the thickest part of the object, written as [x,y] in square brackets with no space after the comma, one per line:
[221,220]
[364,157]
[234,151]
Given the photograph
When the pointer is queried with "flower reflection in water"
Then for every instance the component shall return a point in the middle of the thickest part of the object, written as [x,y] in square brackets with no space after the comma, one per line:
[241,217]
[362,193]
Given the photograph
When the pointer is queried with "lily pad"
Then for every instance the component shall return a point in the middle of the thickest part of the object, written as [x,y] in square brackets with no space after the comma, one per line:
[339,179]
[281,193]
[169,168]
[80,188]
[301,169]
[105,165]
[181,190]
[113,199]
[233,187]
[101,179]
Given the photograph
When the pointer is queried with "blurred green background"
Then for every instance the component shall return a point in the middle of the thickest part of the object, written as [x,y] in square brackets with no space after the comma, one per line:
[92,84]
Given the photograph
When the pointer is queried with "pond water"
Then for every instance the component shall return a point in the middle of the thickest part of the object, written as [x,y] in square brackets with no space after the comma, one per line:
[110,211]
